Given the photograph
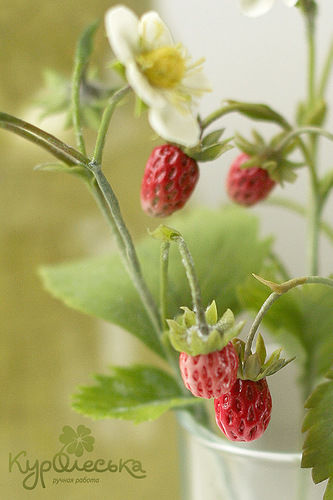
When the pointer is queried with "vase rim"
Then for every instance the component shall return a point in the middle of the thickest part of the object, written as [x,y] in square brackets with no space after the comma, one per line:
[210,440]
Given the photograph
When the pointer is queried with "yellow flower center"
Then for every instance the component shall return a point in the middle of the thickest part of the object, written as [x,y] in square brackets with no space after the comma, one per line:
[164,67]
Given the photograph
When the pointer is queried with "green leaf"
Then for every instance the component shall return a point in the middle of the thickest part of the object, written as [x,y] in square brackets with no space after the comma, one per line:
[318,445]
[138,393]
[225,247]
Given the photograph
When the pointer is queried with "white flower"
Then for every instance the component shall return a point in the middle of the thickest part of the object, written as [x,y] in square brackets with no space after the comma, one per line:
[160,72]
[255,8]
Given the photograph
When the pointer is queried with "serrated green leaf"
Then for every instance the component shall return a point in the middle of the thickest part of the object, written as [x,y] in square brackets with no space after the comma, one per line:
[212,137]
[318,423]
[137,393]
[100,286]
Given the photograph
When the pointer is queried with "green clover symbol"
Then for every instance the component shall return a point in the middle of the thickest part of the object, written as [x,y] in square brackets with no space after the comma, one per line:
[78,441]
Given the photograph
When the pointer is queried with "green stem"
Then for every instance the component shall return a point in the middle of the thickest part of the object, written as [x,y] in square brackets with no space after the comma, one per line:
[164,263]
[278,291]
[194,283]
[300,210]
[245,108]
[103,129]
[311,59]
[303,130]
[78,74]
[55,146]
[127,248]
[326,72]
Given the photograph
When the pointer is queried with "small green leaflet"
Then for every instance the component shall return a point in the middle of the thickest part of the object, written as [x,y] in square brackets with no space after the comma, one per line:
[138,393]
[318,445]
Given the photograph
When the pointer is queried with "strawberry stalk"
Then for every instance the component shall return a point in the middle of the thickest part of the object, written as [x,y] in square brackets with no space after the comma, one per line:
[277,291]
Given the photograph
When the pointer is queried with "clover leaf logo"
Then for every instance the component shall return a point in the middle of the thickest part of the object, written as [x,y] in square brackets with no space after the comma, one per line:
[77,441]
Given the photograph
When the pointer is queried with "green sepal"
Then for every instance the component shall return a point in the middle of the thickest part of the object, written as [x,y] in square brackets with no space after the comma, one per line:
[185,335]
[119,68]
[212,137]
[211,152]
[255,367]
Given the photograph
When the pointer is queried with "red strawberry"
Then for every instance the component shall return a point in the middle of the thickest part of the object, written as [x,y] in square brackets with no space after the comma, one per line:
[247,186]
[209,375]
[169,179]
[243,413]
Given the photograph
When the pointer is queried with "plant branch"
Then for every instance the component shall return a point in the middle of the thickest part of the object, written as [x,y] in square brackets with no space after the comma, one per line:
[278,291]
[104,126]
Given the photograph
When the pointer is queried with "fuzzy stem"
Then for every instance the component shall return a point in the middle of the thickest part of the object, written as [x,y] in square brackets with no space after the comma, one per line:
[127,247]
[273,297]
[103,129]
[194,284]
[164,263]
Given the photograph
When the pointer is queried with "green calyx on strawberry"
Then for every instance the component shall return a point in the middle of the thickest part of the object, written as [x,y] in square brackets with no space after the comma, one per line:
[269,156]
[209,147]
[185,334]
[255,366]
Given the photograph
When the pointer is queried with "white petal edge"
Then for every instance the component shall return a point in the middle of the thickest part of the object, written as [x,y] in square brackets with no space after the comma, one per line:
[196,81]
[122,29]
[174,126]
[290,3]
[254,8]
[153,32]
[142,87]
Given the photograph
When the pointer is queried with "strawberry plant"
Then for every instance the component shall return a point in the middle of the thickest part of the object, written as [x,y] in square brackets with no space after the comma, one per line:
[211,264]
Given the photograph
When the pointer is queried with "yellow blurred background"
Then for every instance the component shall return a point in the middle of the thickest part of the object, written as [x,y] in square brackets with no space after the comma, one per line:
[47,349]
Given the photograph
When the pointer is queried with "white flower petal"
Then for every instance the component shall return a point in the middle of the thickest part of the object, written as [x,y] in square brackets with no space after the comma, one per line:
[254,8]
[121,26]
[141,86]
[175,126]
[290,3]
[196,81]
[153,32]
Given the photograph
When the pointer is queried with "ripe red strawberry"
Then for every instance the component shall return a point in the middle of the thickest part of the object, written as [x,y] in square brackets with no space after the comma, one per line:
[247,186]
[169,179]
[209,375]
[243,413]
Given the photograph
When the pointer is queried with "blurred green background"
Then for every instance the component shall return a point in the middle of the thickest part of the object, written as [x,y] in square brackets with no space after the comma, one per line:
[46,349]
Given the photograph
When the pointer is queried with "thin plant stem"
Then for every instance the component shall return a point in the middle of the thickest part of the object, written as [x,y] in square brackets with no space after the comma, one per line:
[300,210]
[103,129]
[127,248]
[164,264]
[194,283]
[278,291]
[78,74]
[326,72]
